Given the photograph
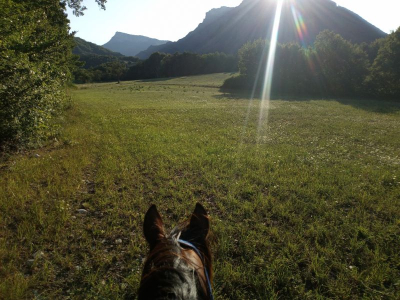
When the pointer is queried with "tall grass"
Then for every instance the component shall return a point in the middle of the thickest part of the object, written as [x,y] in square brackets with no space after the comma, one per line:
[309,209]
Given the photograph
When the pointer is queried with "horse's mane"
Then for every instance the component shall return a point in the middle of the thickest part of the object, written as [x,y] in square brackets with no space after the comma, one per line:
[167,274]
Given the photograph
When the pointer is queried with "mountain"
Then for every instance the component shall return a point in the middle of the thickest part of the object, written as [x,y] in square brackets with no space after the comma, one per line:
[130,45]
[83,47]
[227,29]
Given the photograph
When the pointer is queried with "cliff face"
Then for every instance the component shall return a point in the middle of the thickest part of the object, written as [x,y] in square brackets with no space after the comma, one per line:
[227,29]
[130,45]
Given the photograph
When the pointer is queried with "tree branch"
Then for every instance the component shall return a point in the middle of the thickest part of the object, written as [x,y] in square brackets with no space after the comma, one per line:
[78,8]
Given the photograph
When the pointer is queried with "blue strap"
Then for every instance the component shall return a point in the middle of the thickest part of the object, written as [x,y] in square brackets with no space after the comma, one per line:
[205,269]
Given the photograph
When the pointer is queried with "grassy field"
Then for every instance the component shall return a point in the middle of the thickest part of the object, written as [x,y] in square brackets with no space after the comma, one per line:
[307,207]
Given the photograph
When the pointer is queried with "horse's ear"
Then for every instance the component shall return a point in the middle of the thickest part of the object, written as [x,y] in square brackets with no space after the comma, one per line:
[199,221]
[153,226]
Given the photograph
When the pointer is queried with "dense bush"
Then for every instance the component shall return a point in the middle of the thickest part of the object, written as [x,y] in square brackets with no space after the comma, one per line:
[253,58]
[238,82]
[35,59]
[332,67]
[385,71]
[35,66]
[343,66]
[291,72]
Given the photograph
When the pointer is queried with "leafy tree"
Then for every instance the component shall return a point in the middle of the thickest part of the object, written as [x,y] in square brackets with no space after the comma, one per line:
[333,67]
[372,48]
[78,8]
[181,64]
[35,65]
[218,62]
[385,71]
[83,76]
[112,71]
[344,66]
[253,58]
[35,59]
[152,65]
[291,72]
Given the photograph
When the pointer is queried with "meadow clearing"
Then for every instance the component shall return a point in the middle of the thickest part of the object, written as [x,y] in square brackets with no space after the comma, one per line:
[306,207]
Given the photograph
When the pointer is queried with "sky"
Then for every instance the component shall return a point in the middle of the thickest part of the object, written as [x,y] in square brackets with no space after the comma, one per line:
[174,19]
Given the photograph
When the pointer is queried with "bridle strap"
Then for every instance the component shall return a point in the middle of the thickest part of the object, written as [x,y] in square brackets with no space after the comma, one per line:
[193,247]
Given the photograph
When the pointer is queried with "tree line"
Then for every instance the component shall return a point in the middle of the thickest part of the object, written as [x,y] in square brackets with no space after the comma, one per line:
[331,67]
[158,65]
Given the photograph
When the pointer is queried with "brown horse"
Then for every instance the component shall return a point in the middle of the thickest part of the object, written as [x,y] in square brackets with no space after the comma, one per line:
[179,263]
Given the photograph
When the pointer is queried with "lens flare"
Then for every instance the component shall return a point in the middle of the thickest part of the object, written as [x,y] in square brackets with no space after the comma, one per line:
[266,92]
[300,25]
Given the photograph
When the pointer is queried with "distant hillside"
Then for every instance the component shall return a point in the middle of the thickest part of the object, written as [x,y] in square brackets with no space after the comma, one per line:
[83,47]
[93,55]
[131,45]
[227,29]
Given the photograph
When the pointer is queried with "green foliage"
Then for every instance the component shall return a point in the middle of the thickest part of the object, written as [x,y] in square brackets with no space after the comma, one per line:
[343,66]
[253,58]
[78,8]
[385,71]
[112,70]
[333,67]
[93,56]
[93,61]
[35,59]
[156,66]
[218,62]
[181,64]
[83,47]
[236,82]
[292,72]
[152,65]
[83,75]
[372,49]
[35,66]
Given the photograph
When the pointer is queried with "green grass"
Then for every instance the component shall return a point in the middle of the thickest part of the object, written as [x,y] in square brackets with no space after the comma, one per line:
[309,208]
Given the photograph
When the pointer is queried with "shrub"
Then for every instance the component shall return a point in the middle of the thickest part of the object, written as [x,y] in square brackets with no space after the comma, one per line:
[35,58]
[237,82]
[384,79]
[343,66]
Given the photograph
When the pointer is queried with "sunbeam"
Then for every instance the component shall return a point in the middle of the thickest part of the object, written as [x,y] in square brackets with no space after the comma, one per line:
[266,92]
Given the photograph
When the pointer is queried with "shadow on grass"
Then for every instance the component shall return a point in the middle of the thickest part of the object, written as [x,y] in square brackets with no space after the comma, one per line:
[156,79]
[177,77]
[373,105]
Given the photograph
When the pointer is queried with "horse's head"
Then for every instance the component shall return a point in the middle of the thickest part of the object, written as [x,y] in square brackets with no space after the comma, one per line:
[179,263]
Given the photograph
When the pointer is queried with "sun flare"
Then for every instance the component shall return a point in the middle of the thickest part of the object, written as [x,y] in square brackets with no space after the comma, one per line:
[266,92]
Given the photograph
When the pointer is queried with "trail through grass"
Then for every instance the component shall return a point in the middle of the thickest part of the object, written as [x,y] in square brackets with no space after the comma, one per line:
[308,210]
